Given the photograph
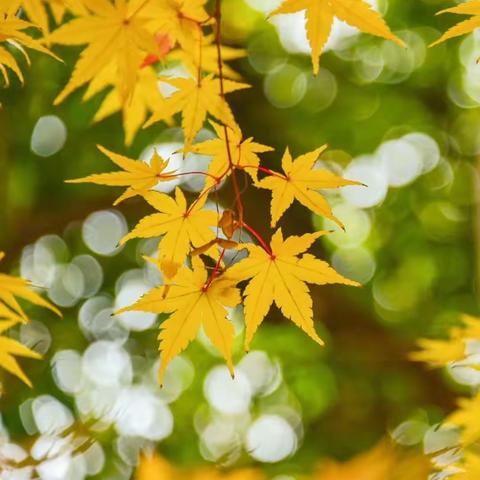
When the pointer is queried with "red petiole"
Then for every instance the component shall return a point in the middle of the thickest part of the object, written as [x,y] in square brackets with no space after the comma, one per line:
[262,169]
[258,237]
[214,271]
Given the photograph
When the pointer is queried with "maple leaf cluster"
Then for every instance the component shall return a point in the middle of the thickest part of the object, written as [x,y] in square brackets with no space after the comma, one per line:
[11,314]
[13,34]
[125,40]
[124,44]
[454,352]
[382,462]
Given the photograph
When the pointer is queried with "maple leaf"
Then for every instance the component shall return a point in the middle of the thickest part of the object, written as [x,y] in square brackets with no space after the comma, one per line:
[470,328]
[300,181]
[243,153]
[37,10]
[375,464]
[439,352]
[195,99]
[280,276]
[11,32]
[181,227]
[145,94]
[321,13]
[216,474]
[122,33]
[192,300]
[466,417]
[382,462]
[165,45]
[182,20]
[462,28]
[11,287]
[207,59]
[470,468]
[152,466]
[137,175]
[9,348]
[144,97]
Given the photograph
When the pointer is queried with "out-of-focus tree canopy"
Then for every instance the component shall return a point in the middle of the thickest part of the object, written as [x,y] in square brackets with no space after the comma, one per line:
[404,122]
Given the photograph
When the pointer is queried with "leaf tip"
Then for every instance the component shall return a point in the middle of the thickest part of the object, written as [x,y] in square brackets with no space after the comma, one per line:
[436,42]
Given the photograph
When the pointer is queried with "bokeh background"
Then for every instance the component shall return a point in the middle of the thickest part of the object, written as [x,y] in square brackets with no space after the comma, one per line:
[405,122]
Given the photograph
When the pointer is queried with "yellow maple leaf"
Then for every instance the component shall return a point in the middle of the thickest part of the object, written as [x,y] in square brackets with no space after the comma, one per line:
[217,474]
[207,59]
[470,467]
[321,13]
[145,96]
[375,464]
[470,329]
[11,287]
[439,352]
[462,28]
[9,348]
[120,32]
[193,301]
[182,20]
[11,33]
[137,175]
[8,314]
[466,417]
[280,276]
[300,181]
[181,227]
[382,462]
[153,467]
[37,10]
[243,152]
[195,99]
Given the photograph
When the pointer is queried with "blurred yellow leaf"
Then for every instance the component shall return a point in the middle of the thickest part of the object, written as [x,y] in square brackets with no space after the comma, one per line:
[470,466]
[11,32]
[146,97]
[154,467]
[462,28]
[321,13]
[37,10]
[120,32]
[10,348]
[375,464]
[195,98]
[182,20]
[11,287]
[439,352]
[466,417]
[217,474]
[382,462]
[206,60]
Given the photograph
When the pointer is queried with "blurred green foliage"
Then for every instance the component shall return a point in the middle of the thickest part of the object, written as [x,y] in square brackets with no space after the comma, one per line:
[423,237]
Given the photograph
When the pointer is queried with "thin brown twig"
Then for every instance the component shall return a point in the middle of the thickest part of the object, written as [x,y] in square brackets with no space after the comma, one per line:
[218,43]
